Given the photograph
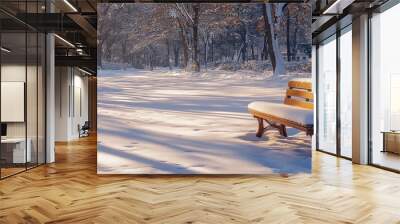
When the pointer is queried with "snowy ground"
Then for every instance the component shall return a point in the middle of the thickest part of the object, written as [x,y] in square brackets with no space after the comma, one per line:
[162,122]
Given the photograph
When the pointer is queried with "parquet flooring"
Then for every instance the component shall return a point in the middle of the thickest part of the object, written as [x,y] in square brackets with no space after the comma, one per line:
[70,191]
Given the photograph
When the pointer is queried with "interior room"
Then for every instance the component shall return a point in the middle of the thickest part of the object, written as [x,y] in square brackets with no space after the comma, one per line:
[27,59]
[48,103]
[22,99]
[71,100]
[385,87]
[334,75]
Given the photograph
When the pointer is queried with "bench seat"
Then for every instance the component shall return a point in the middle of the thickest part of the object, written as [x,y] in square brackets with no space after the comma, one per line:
[296,110]
[299,115]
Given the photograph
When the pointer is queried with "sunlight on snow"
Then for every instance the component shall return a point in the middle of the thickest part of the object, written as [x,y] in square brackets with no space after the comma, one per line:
[175,122]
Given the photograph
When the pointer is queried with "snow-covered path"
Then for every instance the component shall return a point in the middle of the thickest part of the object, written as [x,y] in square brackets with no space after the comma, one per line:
[161,122]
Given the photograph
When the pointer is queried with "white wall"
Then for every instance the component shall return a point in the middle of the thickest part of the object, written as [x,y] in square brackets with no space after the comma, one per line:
[62,82]
[13,72]
[81,102]
[71,87]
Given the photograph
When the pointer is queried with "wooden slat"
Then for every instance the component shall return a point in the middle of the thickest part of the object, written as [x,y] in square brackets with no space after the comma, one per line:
[300,85]
[298,103]
[299,93]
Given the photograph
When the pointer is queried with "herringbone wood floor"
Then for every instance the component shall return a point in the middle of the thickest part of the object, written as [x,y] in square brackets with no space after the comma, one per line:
[69,191]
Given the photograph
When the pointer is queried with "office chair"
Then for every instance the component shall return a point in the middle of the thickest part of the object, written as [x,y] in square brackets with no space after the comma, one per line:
[84,130]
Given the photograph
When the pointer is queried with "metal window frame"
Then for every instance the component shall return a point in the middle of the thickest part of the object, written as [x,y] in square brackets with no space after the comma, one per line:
[387,5]
[339,32]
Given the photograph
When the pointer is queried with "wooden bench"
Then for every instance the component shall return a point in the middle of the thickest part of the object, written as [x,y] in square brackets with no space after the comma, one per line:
[296,110]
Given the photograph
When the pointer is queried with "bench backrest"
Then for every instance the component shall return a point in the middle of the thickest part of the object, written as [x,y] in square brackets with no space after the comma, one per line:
[299,94]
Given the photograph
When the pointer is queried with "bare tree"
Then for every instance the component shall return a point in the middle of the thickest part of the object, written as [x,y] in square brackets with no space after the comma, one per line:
[272,42]
[194,36]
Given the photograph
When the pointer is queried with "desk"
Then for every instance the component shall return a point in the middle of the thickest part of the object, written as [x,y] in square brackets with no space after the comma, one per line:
[16,147]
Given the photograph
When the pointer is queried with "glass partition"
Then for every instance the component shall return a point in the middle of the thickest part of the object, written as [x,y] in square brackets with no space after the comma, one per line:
[22,88]
[334,103]
[31,99]
[14,153]
[346,95]
[385,89]
[41,97]
[327,96]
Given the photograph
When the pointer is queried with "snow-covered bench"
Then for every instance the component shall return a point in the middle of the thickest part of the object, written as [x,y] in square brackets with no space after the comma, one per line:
[296,110]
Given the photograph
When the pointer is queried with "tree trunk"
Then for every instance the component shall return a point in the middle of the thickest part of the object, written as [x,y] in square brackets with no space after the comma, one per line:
[146,59]
[107,53]
[205,39]
[264,53]
[184,42]
[124,58]
[168,55]
[151,61]
[268,36]
[196,64]
[295,44]
[273,45]
[100,54]
[253,56]
[212,49]
[239,53]
[244,47]
[176,54]
[233,52]
[288,49]
[151,58]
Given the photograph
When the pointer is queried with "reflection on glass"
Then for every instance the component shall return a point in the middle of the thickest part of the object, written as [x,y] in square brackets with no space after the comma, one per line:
[327,96]
[385,84]
[22,92]
[14,150]
[346,94]
[31,100]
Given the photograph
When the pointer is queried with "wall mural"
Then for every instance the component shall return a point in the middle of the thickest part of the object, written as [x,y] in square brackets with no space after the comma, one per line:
[204,88]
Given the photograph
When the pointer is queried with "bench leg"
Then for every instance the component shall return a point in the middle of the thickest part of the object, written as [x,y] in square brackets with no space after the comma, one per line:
[280,127]
[283,131]
[260,130]
[310,131]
